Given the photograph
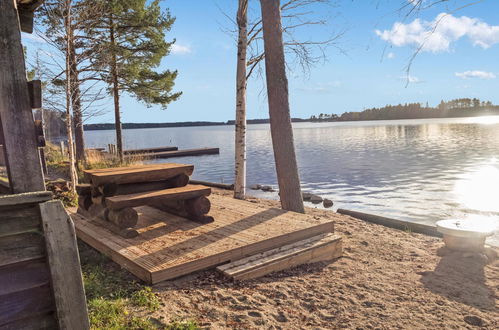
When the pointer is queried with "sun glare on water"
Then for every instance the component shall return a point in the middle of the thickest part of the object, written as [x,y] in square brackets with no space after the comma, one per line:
[487,120]
[479,189]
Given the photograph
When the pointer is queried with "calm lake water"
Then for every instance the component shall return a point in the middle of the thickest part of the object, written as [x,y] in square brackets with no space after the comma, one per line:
[416,170]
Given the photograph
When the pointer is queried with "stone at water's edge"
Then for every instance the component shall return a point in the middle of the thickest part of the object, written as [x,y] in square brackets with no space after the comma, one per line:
[327,203]
[306,196]
[267,188]
[255,187]
[316,199]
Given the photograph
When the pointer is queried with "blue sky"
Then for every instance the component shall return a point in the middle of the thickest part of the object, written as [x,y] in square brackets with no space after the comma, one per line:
[458,60]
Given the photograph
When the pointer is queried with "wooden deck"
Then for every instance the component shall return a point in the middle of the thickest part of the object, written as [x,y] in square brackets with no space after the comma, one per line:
[169,246]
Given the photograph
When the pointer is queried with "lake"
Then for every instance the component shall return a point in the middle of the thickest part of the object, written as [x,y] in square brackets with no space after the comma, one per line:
[415,170]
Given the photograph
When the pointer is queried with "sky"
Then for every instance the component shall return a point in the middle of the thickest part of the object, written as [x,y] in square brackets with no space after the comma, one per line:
[367,66]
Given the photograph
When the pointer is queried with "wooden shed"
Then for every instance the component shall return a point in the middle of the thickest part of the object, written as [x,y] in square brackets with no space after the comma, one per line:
[41,286]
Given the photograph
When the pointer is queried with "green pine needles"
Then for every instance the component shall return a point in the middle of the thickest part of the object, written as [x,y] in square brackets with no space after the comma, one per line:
[128,44]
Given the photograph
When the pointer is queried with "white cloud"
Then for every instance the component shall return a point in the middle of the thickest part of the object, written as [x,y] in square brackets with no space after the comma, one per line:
[390,55]
[180,49]
[475,74]
[437,35]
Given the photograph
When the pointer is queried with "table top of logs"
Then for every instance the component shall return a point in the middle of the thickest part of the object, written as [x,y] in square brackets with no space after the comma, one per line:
[134,174]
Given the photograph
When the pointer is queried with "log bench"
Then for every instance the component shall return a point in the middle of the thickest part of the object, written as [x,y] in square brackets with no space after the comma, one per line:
[189,202]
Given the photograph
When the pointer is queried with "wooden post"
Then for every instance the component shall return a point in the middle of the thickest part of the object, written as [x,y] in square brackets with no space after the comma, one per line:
[21,147]
[280,118]
[62,256]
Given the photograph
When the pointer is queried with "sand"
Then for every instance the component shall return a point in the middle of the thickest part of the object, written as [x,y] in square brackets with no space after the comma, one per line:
[387,279]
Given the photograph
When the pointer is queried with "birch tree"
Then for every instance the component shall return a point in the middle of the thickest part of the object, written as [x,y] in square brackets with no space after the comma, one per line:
[299,16]
[241,83]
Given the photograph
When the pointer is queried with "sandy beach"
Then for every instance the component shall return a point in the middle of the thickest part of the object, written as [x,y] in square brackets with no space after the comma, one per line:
[386,279]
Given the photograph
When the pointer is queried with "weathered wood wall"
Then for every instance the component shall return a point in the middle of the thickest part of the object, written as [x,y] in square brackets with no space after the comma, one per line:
[25,290]
[21,147]
[40,277]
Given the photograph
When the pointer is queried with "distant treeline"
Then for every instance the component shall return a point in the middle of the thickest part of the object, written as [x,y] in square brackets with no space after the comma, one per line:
[464,107]
[94,127]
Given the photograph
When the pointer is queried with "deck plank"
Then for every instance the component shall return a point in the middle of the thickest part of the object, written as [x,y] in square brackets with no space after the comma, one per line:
[169,246]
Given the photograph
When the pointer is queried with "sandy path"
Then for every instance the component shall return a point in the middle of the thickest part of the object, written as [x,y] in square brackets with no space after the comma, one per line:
[387,279]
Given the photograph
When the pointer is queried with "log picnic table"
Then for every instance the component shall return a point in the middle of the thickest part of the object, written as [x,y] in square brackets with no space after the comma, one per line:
[111,194]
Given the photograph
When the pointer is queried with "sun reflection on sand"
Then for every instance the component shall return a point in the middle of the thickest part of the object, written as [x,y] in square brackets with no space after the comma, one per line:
[479,188]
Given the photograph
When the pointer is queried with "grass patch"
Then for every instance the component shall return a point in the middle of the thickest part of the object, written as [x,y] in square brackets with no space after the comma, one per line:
[53,154]
[114,314]
[182,325]
[146,298]
[114,296]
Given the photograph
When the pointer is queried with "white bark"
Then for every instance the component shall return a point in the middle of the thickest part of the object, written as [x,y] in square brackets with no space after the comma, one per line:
[240,134]
[69,122]
[280,118]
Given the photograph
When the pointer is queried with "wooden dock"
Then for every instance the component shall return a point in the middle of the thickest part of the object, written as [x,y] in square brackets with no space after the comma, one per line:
[179,153]
[149,150]
[170,246]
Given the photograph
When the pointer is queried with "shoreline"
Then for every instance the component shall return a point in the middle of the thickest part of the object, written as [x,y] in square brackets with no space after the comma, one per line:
[389,222]
[110,126]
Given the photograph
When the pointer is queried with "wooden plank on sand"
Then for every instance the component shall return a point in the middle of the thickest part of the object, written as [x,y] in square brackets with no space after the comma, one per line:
[318,248]
[134,174]
[139,199]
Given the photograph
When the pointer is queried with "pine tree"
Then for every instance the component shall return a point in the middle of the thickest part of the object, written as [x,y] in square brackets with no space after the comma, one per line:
[128,45]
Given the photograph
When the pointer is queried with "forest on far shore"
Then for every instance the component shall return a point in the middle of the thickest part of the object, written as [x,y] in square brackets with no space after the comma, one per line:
[464,107]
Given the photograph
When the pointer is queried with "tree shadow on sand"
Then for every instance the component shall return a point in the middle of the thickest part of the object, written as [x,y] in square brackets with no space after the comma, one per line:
[460,277]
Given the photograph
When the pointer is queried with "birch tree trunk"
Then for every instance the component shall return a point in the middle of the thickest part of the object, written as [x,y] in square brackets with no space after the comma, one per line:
[280,118]
[69,121]
[240,136]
